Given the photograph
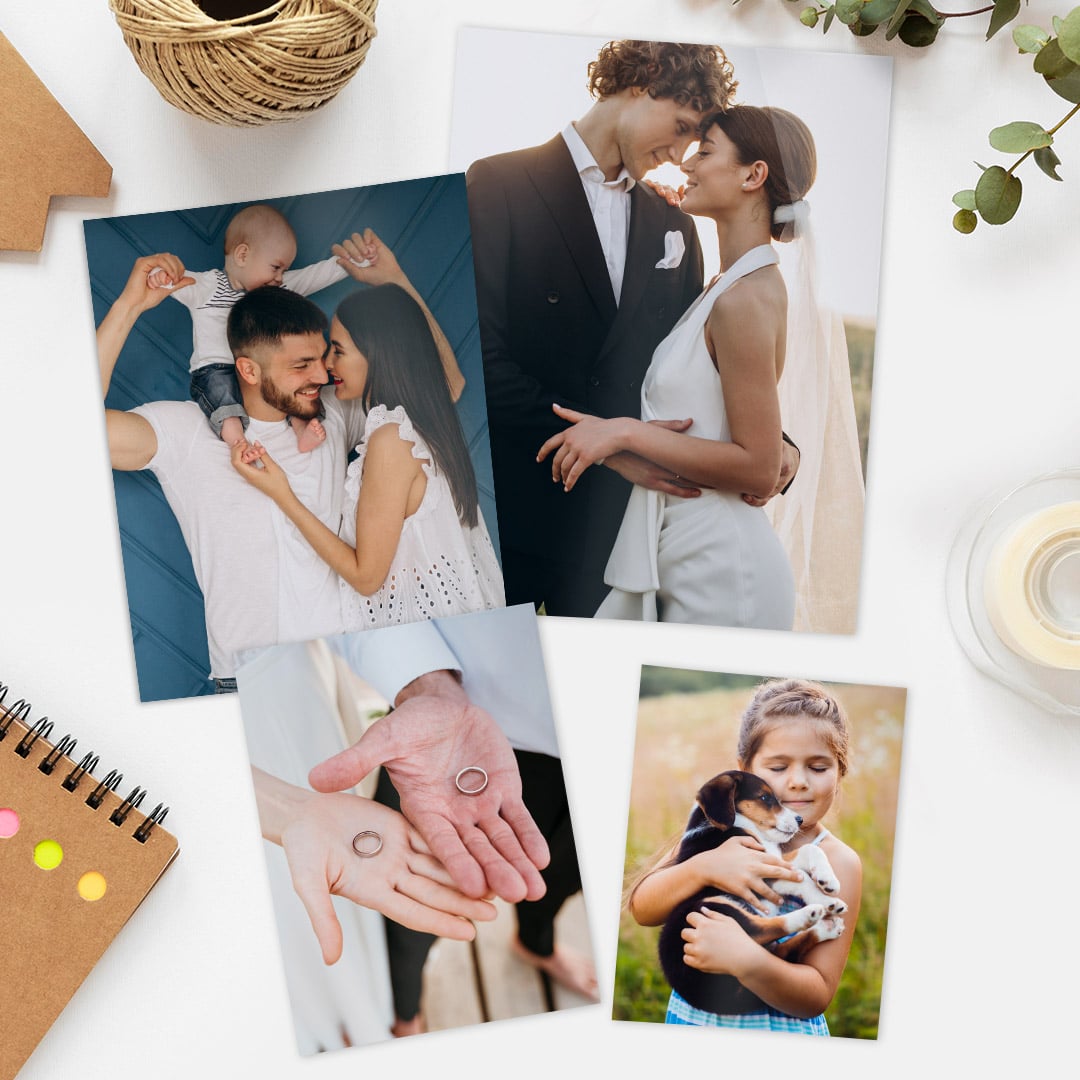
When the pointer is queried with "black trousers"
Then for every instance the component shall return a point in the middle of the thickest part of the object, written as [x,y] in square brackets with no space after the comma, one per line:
[544,793]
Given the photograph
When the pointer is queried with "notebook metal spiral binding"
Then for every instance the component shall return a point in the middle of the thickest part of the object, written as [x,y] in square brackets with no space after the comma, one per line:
[20,712]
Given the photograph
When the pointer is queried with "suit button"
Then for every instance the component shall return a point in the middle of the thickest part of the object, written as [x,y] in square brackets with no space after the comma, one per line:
[594,380]
[661,313]
[553,297]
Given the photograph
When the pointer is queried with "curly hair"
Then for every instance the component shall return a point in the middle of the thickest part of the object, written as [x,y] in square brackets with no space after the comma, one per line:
[695,75]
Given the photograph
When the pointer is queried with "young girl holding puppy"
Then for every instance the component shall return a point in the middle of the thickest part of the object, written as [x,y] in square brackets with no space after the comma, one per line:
[794,735]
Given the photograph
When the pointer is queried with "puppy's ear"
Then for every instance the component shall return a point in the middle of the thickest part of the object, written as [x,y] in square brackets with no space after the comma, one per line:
[717,800]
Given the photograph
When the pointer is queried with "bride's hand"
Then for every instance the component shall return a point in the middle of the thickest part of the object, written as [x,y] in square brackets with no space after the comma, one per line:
[587,442]
[403,881]
[260,470]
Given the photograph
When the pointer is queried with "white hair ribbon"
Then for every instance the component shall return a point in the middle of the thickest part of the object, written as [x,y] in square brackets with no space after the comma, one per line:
[797,212]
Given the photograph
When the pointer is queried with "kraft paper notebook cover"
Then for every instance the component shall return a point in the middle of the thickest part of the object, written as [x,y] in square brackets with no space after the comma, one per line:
[76,860]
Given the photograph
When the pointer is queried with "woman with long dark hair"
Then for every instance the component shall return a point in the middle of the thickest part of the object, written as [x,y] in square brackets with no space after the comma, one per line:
[413,542]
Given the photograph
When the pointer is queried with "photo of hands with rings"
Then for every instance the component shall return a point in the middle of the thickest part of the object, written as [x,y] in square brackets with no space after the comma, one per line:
[409,792]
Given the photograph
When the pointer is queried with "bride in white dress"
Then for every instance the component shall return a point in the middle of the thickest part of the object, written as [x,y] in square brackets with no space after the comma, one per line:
[712,558]
[413,542]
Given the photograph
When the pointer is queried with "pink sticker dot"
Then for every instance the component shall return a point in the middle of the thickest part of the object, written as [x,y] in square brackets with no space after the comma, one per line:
[9,823]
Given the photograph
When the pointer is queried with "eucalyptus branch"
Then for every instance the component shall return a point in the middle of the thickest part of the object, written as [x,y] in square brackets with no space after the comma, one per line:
[996,197]
[965,14]
[914,22]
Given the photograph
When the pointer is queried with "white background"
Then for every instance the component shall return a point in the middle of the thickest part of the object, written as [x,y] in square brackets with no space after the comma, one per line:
[976,386]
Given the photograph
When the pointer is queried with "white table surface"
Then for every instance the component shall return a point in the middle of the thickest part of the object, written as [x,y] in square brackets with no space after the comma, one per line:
[975,386]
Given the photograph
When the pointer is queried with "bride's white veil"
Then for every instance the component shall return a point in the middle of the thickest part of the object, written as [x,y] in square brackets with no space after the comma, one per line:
[820,519]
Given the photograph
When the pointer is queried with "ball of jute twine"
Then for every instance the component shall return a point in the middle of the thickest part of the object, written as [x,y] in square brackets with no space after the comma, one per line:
[277,64]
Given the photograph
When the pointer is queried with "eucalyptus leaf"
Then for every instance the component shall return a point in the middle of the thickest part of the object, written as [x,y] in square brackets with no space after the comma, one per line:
[1030,39]
[1004,12]
[1051,62]
[1066,85]
[893,27]
[829,16]
[919,31]
[847,11]
[965,199]
[1048,161]
[861,29]
[926,9]
[997,195]
[808,16]
[1056,23]
[1069,35]
[964,221]
[1019,137]
[878,11]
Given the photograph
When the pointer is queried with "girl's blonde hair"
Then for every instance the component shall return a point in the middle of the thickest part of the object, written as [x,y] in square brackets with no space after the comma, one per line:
[783,699]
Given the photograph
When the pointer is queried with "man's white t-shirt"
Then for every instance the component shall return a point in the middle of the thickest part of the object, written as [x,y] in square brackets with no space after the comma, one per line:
[262,583]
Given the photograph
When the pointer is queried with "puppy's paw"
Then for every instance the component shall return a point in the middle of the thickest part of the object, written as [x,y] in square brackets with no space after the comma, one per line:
[816,863]
[802,918]
[828,929]
[836,906]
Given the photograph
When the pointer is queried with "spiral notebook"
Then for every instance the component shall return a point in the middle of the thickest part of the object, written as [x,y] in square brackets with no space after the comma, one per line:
[76,860]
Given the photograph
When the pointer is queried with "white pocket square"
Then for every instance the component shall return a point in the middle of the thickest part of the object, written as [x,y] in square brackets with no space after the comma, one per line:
[674,248]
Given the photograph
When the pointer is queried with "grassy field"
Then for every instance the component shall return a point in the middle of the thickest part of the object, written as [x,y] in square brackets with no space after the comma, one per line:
[860,343]
[687,724]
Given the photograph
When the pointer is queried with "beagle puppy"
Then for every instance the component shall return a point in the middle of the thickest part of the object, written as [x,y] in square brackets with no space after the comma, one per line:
[736,803]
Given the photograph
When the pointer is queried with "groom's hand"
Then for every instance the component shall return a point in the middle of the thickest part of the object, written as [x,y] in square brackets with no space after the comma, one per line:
[790,457]
[488,842]
[649,475]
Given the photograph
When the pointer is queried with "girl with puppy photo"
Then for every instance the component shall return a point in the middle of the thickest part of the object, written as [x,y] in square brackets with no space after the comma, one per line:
[794,735]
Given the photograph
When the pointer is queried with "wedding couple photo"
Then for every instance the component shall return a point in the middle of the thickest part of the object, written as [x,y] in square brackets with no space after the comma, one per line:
[677,349]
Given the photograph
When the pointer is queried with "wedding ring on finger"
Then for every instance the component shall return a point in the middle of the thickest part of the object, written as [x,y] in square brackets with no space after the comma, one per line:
[367,843]
[471,780]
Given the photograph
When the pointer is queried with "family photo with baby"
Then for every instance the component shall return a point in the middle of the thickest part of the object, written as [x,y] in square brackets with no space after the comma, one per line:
[280,466]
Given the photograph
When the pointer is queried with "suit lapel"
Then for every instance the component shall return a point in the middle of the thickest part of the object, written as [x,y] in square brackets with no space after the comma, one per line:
[559,186]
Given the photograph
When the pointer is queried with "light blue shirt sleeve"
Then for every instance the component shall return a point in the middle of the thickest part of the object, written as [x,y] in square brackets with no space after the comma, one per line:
[391,657]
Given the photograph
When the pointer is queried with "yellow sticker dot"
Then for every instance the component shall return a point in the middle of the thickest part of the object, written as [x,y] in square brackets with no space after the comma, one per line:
[48,854]
[91,885]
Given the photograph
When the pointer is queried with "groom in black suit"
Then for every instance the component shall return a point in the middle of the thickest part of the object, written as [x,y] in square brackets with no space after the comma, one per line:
[580,272]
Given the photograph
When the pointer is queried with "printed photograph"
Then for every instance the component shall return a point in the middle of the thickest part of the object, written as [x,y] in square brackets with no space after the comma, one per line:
[759,851]
[296,420]
[418,838]
[677,252]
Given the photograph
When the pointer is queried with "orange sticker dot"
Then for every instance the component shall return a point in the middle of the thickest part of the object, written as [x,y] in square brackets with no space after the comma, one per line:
[48,854]
[91,885]
[9,823]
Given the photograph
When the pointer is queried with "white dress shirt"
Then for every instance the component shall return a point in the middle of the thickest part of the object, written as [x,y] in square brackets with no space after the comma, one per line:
[609,201]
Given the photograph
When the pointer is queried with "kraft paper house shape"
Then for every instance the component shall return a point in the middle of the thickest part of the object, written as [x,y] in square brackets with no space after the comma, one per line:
[44,154]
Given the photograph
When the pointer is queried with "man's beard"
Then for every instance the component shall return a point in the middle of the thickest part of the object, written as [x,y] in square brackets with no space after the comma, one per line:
[289,404]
